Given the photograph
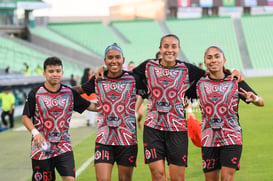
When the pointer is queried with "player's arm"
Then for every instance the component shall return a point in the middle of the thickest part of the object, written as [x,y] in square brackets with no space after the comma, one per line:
[99,73]
[92,107]
[251,97]
[237,73]
[78,89]
[189,110]
[37,136]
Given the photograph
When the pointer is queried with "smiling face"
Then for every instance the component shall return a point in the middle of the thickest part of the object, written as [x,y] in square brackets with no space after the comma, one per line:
[53,74]
[169,49]
[114,61]
[214,60]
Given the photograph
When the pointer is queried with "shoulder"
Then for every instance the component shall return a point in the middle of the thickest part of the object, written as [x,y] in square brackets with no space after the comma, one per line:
[67,88]
[35,89]
[149,62]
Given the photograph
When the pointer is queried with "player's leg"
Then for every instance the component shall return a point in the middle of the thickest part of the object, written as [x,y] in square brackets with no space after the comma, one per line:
[211,163]
[155,152]
[103,171]
[68,178]
[230,161]
[104,161]
[212,175]
[125,173]
[157,169]
[177,172]
[126,157]
[177,153]
[65,165]
[43,170]
[227,174]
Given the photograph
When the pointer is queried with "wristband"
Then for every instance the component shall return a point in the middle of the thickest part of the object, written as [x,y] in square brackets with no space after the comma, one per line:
[34,132]
[189,109]
[257,99]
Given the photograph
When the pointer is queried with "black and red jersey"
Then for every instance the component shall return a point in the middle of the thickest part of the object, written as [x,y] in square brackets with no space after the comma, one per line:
[166,89]
[219,101]
[51,114]
[116,121]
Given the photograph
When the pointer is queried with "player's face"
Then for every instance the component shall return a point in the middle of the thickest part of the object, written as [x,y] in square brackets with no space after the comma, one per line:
[214,60]
[169,50]
[53,74]
[114,61]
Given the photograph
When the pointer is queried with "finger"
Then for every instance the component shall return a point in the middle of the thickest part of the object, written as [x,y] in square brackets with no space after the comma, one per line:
[244,91]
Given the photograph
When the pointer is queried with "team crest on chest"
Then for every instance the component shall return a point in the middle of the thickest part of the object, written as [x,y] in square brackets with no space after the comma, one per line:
[54,102]
[113,86]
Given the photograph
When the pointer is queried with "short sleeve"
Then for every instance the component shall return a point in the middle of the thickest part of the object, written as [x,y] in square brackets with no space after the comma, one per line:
[89,86]
[29,107]
[195,73]
[247,88]
[80,104]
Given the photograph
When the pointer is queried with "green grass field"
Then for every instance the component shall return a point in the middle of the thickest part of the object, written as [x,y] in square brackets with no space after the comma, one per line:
[256,161]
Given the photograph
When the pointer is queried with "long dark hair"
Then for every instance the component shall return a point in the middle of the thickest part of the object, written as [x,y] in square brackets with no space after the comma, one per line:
[85,76]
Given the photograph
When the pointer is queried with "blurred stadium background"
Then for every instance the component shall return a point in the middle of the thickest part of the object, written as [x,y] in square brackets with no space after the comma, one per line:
[243,28]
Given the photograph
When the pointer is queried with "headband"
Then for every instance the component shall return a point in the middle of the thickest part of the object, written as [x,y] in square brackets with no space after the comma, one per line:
[113,47]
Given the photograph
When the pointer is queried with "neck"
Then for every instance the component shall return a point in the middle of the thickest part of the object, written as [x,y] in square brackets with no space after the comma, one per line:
[113,75]
[167,64]
[217,75]
[52,87]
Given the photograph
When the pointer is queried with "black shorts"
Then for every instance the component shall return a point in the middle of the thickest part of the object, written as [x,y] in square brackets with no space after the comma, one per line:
[216,157]
[45,169]
[123,155]
[171,145]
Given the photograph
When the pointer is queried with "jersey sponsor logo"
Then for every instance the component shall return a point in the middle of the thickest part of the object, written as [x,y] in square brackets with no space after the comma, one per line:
[184,158]
[234,160]
[131,159]
[204,163]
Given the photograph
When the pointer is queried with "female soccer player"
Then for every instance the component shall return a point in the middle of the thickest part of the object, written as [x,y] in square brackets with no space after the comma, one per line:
[116,139]
[166,81]
[221,137]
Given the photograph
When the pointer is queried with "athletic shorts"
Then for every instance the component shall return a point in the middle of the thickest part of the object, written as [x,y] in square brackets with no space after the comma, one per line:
[171,145]
[44,169]
[123,155]
[216,157]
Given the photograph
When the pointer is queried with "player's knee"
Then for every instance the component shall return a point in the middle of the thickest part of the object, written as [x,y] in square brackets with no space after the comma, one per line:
[228,175]
[158,175]
[68,178]
[125,178]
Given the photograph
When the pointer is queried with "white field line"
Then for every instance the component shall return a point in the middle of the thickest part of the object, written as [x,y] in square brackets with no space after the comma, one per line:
[84,166]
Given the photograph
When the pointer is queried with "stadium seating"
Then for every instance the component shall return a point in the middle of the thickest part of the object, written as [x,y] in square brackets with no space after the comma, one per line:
[259,39]
[50,35]
[14,54]
[143,36]
[198,34]
[140,40]
[94,36]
